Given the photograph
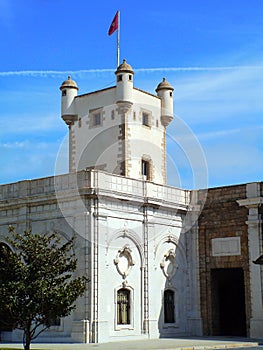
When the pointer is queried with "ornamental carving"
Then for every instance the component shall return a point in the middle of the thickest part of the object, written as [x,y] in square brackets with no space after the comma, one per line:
[169,265]
[124,261]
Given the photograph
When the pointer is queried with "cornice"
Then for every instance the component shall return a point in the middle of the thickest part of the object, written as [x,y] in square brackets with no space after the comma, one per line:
[251,202]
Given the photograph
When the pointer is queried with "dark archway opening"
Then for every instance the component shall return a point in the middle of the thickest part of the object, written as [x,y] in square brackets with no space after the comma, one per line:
[228,302]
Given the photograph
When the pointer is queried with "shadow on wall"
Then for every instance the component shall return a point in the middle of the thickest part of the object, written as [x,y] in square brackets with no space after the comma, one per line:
[172,318]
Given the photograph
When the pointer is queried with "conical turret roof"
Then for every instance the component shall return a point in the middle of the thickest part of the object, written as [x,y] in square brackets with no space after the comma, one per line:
[164,85]
[69,83]
[125,68]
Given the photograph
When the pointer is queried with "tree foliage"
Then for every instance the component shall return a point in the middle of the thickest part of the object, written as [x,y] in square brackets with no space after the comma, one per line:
[36,281]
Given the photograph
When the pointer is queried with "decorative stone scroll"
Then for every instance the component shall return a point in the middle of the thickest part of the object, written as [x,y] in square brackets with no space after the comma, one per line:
[124,261]
[169,265]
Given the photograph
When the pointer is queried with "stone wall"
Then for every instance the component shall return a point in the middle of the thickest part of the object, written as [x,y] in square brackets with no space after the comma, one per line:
[223,243]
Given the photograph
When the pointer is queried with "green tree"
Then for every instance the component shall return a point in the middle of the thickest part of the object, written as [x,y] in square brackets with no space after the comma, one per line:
[36,281]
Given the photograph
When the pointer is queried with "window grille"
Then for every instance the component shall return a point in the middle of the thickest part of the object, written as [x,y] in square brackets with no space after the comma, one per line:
[169,306]
[123,306]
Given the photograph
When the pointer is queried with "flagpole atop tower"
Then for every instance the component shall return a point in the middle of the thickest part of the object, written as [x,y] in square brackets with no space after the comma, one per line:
[118,38]
[115,25]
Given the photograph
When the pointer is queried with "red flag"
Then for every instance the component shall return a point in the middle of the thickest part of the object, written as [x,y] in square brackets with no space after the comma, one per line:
[114,24]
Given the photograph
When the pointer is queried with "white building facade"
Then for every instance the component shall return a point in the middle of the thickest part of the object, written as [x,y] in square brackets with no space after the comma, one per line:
[130,244]
[136,237]
[128,223]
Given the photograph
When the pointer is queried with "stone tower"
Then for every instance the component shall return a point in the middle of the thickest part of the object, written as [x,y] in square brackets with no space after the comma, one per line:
[121,129]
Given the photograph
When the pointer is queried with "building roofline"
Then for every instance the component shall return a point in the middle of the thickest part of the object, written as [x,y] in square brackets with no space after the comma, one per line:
[217,187]
[148,93]
[95,92]
[113,87]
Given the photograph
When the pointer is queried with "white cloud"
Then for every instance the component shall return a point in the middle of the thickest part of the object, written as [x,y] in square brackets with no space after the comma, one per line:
[230,163]
[213,84]
[217,134]
[14,145]
[27,159]
[30,145]
[220,96]
[29,124]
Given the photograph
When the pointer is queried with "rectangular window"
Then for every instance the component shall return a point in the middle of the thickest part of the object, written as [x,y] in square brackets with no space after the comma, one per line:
[123,306]
[169,306]
[145,119]
[145,170]
[96,119]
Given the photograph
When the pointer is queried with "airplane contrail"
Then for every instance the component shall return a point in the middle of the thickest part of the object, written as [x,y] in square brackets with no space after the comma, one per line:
[182,69]
[52,72]
[44,73]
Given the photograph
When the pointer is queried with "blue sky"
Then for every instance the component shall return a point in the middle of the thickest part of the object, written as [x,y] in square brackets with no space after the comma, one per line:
[210,51]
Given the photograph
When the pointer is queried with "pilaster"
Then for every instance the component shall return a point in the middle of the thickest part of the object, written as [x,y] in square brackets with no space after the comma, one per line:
[254,223]
[146,271]
[194,310]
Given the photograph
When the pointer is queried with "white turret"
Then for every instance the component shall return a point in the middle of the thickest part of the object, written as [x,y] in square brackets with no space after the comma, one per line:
[120,129]
[124,77]
[165,92]
[69,90]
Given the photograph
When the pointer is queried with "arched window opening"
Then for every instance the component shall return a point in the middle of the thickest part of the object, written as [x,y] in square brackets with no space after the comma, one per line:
[123,306]
[145,169]
[169,306]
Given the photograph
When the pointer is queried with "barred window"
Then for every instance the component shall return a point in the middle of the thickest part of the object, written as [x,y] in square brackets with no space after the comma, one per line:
[123,306]
[145,119]
[169,306]
[96,119]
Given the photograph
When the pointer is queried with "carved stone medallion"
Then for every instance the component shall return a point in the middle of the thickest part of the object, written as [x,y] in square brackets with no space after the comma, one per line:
[124,261]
